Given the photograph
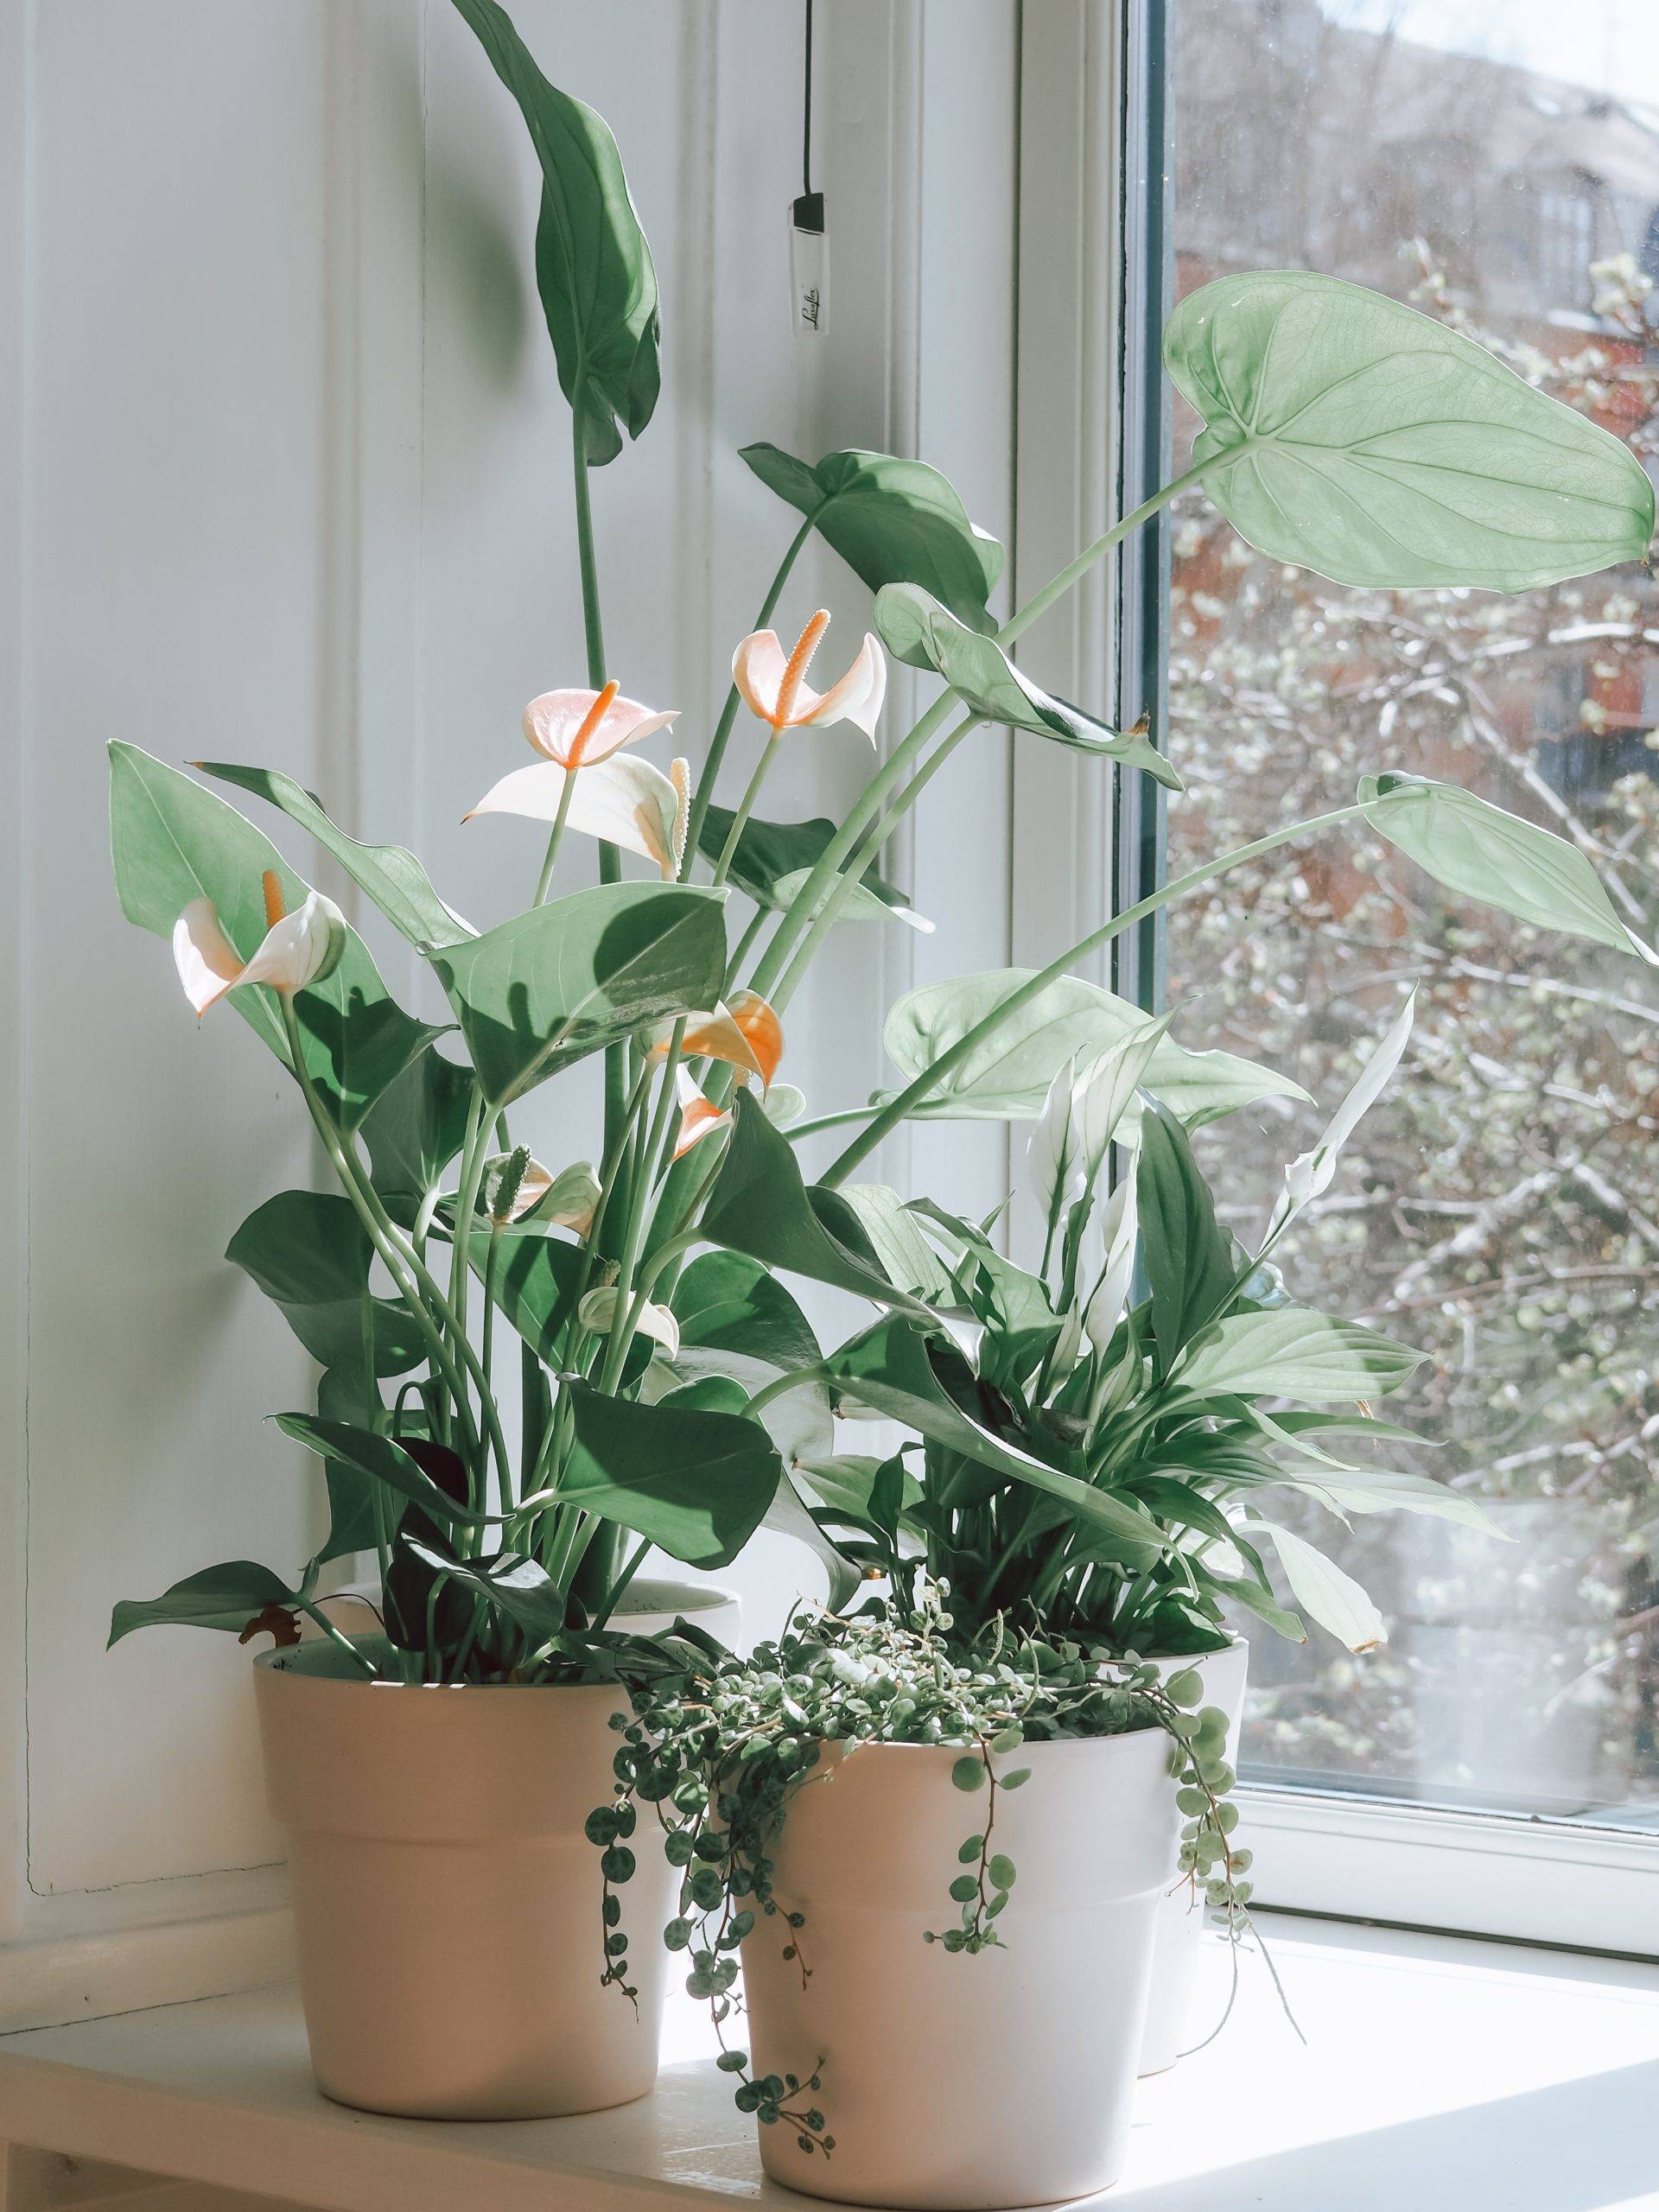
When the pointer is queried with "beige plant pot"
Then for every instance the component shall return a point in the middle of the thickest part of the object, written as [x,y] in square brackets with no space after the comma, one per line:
[952,2080]
[447,1900]
[1170,2025]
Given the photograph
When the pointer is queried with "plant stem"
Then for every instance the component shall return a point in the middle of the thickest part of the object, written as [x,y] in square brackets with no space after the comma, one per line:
[544,881]
[745,807]
[969,1042]
[610,861]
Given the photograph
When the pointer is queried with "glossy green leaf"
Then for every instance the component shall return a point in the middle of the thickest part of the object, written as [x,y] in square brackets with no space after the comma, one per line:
[758,1205]
[571,977]
[1358,437]
[773,857]
[310,1255]
[896,1236]
[898,1369]
[917,630]
[727,1301]
[351,1524]
[1485,852]
[1295,1353]
[390,874]
[414,1129]
[1324,1592]
[1186,1257]
[892,521]
[1008,1077]
[173,841]
[537,1278]
[697,1485]
[373,1458]
[592,266]
[518,1588]
[846,1485]
[226,1598]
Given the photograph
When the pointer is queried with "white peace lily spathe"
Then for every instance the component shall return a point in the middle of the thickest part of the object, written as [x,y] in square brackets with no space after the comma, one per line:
[1121,1226]
[1306,1178]
[1082,1114]
[626,801]
[773,686]
[297,951]
[597,1312]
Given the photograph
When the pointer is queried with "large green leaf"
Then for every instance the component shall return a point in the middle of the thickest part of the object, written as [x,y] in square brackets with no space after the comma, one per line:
[897,1369]
[759,1205]
[923,634]
[173,841]
[697,1484]
[520,1589]
[1295,1353]
[413,1129]
[892,521]
[390,874]
[593,267]
[1485,852]
[352,1524]
[537,1278]
[571,977]
[226,1596]
[1321,1589]
[1188,1259]
[771,858]
[726,1301]
[1355,437]
[1008,1077]
[373,1458]
[310,1255]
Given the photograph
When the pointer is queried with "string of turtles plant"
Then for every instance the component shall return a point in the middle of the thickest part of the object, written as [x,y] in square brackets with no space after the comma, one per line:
[719,1759]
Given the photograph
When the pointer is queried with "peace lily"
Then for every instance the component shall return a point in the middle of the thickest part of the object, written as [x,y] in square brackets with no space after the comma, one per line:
[1121,1226]
[597,1312]
[626,801]
[575,729]
[773,684]
[1306,1178]
[297,951]
[744,1032]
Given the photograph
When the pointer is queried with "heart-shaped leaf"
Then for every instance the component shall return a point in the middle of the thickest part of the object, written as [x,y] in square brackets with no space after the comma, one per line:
[1357,437]
[173,841]
[1007,1078]
[375,1459]
[917,630]
[571,977]
[727,1302]
[1479,849]
[773,858]
[892,521]
[226,1596]
[537,1278]
[520,1589]
[593,267]
[390,874]
[310,1255]
[1295,1353]
[697,1484]
[413,1131]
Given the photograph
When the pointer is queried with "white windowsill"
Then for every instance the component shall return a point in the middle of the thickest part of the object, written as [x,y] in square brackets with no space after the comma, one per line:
[1439,2072]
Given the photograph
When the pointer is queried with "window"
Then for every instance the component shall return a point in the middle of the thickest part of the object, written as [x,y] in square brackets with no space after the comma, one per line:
[1502,1208]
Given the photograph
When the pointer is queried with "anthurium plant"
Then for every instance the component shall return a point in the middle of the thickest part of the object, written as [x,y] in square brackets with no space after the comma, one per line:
[668,1388]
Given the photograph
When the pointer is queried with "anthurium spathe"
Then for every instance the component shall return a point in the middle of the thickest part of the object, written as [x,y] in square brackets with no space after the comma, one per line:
[577,729]
[297,949]
[746,1033]
[626,802]
[774,687]
[699,1116]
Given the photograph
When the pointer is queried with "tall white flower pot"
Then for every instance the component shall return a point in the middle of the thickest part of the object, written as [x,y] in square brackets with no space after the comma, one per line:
[1170,2025]
[954,2080]
[446,1900]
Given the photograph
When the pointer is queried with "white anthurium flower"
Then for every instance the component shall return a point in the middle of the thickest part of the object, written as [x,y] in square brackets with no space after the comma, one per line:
[1054,1156]
[575,729]
[1100,1095]
[571,1200]
[297,951]
[699,1116]
[513,1184]
[786,1103]
[626,801]
[597,1312]
[1305,1178]
[773,686]
[1120,1225]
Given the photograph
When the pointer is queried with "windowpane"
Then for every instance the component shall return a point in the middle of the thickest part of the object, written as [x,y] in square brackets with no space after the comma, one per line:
[1497,165]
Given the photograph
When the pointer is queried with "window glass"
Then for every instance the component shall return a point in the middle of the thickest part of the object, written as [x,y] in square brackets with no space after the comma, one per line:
[1497,166]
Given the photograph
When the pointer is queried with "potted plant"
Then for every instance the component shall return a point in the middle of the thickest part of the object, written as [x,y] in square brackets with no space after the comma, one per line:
[667,1400]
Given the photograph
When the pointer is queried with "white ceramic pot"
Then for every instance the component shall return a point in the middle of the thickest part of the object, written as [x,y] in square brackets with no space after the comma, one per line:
[955,2080]
[650,1608]
[1170,2026]
[446,1898]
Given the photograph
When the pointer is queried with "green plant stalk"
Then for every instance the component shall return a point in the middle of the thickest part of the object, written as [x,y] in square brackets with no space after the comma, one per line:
[746,808]
[661,1136]
[702,798]
[471,1174]
[745,945]
[492,1262]
[544,881]
[907,1100]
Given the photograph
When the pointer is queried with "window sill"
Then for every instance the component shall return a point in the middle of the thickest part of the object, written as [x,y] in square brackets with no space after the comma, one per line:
[1437,2072]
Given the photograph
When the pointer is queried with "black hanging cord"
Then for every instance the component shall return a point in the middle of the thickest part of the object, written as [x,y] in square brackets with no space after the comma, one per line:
[809,208]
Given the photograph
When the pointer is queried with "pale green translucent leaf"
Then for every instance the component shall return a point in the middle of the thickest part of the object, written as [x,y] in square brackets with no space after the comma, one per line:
[1292,1352]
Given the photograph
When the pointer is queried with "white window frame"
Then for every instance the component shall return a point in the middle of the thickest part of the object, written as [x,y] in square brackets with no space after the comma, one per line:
[1091,261]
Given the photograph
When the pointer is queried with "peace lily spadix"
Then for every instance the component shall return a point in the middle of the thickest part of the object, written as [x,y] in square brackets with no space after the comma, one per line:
[576,730]
[772,683]
[297,949]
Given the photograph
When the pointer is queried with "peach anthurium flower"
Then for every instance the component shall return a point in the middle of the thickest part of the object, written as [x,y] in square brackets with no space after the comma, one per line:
[699,1116]
[628,803]
[297,949]
[773,684]
[575,729]
[747,1034]
[597,1312]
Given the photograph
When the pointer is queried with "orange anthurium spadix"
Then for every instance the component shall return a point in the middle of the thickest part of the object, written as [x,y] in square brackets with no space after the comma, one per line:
[297,949]
[747,1034]
[577,728]
[628,803]
[773,683]
[699,1116]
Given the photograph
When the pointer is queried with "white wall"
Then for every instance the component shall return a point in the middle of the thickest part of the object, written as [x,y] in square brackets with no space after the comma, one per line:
[288,471]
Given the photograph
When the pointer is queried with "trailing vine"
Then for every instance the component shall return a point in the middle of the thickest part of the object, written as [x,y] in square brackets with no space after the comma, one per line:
[719,1752]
